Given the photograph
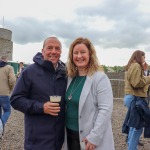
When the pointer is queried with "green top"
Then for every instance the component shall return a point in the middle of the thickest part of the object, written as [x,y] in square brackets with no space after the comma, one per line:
[75,89]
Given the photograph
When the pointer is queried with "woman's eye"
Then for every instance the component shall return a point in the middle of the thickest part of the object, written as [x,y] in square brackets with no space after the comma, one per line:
[75,52]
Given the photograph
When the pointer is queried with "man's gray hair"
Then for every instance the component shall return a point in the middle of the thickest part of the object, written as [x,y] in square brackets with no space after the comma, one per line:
[52,37]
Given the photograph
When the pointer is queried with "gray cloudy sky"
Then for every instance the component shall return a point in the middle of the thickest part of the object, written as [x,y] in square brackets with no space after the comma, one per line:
[116,27]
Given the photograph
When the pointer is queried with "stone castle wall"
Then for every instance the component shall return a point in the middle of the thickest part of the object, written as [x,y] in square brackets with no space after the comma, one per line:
[117,83]
[6,45]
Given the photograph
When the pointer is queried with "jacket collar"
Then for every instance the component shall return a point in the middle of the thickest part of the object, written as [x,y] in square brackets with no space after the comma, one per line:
[60,70]
[2,63]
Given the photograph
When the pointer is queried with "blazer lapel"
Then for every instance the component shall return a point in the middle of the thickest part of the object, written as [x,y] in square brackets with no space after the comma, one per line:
[85,91]
[69,81]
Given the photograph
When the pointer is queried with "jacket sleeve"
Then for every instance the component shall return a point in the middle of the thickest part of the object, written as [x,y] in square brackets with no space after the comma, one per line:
[136,77]
[20,99]
[11,78]
[104,98]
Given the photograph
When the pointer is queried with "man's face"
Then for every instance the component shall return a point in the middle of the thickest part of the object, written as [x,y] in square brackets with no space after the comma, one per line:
[52,50]
[21,64]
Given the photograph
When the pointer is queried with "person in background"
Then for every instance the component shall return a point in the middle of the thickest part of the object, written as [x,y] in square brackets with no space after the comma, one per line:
[89,100]
[136,85]
[7,83]
[44,120]
[146,70]
[147,73]
[20,69]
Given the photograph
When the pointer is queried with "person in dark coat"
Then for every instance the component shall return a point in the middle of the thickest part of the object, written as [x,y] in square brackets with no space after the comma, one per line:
[44,120]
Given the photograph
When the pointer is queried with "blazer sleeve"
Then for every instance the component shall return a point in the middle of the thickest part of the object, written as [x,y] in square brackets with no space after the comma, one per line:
[104,100]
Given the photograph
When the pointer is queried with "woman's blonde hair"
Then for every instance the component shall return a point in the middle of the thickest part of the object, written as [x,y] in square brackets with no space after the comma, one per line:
[93,65]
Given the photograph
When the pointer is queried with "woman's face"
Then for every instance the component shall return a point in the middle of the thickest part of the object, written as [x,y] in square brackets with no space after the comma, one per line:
[81,56]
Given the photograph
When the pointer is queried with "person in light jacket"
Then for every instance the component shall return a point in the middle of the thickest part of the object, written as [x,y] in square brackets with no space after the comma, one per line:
[136,85]
[7,83]
[89,100]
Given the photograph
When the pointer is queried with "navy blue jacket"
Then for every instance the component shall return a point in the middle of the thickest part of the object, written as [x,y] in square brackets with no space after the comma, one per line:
[34,86]
[138,116]
[2,63]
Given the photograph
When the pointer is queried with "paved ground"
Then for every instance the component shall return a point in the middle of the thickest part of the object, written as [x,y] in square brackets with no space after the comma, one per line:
[14,131]
[117,120]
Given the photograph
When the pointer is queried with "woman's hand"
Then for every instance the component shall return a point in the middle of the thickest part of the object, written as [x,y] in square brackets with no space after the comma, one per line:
[88,145]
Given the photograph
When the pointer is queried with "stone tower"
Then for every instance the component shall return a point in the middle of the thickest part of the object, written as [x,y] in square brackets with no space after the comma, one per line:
[6,45]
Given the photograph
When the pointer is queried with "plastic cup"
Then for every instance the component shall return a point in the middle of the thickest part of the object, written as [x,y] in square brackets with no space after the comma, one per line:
[55,99]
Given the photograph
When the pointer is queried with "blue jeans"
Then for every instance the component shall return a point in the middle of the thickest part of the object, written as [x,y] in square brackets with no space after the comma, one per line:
[133,138]
[134,134]
[128,99]
[5,108]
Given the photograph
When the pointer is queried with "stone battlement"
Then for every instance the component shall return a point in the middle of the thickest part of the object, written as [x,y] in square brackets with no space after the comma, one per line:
[6,45]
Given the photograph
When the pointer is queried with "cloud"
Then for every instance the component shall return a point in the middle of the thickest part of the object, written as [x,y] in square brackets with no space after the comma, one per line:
[31,30]
[27,30]
[111,24]
[147,48]
[131,26]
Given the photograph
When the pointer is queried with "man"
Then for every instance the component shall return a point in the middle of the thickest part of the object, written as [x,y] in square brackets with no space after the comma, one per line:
[20,69]
[7,83]
[44,121]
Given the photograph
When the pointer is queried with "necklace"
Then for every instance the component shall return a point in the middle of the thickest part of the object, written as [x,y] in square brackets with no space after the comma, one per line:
[72,91]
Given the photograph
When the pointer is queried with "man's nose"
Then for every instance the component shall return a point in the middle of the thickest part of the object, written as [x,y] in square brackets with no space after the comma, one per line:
[53,50]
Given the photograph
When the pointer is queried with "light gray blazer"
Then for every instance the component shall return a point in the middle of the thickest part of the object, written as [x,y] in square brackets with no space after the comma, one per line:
[95,110]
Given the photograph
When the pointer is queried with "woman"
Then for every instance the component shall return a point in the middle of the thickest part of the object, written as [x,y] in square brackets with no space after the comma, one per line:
[136,85]
[89,100]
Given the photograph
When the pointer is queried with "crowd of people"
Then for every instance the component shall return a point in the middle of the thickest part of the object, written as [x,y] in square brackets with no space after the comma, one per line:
[81,118]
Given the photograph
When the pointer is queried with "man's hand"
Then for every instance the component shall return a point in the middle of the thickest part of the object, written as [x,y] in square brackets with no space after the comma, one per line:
[51,108]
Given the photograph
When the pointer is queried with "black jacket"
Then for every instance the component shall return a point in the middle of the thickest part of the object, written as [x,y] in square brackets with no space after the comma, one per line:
[138,116]
[34,86]
[2,63]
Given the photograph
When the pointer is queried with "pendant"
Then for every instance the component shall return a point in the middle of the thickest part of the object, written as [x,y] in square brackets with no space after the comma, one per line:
[69,97]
